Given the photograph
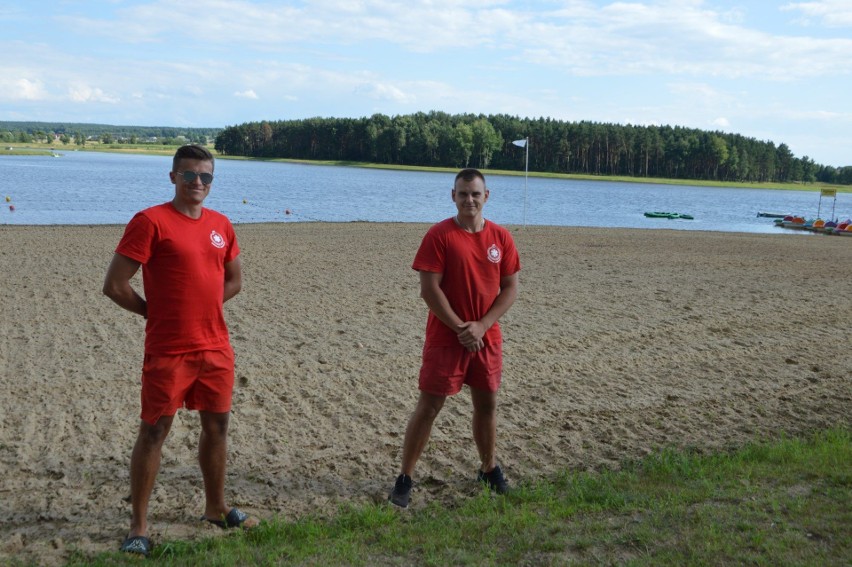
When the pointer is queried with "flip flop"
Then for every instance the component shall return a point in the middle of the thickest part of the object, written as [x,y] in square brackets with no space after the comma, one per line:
[235,519]
[139,545]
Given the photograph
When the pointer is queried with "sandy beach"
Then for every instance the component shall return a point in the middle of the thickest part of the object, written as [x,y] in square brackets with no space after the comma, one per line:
[621,342]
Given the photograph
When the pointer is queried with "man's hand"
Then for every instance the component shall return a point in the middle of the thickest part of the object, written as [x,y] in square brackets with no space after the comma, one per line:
[470,335]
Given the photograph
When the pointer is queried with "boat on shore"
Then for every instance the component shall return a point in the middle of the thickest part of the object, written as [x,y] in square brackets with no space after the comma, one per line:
[665,215]
[797,222]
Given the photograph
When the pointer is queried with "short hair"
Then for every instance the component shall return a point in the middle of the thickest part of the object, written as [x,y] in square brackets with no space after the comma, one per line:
[191,151]
[469,174]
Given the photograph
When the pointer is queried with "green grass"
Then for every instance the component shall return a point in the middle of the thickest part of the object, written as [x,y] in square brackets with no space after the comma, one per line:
[24,151]
[19,149]
[788,502]
[610,178]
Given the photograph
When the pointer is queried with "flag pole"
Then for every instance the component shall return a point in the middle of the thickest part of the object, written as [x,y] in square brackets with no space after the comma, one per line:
[526,174]
[525,143]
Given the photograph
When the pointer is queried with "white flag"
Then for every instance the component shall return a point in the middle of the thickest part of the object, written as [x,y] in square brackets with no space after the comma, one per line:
[521,143]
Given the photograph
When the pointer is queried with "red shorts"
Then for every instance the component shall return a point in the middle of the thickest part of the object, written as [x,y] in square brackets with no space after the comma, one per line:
[201,380]
[446,369]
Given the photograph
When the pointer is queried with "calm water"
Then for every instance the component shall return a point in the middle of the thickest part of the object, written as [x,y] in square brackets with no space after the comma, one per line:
[103,188]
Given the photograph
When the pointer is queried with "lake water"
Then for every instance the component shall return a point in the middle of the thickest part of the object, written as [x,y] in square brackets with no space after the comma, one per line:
[105,188]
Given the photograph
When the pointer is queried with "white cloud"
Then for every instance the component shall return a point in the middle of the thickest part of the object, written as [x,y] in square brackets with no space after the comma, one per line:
[580,38]
[690,39]
[420,25]
[382,91]
[80,92]
[830,13]
[22,89]
[246,94]
[721,122]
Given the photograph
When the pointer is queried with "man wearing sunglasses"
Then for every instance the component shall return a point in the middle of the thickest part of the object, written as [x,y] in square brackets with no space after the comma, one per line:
[190,267]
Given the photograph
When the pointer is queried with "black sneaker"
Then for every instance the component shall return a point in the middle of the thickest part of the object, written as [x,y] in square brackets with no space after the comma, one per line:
[494,480]
[401,491]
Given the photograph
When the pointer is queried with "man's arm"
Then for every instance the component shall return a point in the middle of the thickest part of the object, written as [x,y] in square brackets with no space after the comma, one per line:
[233,278]
[475,330]
[117,285]
[436,299]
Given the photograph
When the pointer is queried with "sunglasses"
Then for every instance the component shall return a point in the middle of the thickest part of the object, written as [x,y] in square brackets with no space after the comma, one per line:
[190,176]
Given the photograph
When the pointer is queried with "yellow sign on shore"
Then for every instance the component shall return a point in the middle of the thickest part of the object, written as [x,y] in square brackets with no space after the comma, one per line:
[828,192]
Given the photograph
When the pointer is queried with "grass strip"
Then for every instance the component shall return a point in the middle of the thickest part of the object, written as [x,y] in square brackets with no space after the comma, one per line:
[786,502]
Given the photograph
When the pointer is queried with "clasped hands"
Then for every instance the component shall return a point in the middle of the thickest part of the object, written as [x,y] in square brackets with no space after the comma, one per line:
[470,335]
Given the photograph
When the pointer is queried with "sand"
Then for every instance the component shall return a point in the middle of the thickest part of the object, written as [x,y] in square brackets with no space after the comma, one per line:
[621,342]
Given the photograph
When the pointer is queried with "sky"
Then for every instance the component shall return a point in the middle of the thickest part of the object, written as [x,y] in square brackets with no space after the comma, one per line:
[773,71]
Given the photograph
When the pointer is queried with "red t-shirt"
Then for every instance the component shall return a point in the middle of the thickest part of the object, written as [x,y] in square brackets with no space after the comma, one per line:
[183,274]
[472,265]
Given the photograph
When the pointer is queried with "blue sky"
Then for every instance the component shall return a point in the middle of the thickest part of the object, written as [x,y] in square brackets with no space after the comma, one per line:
[779,71]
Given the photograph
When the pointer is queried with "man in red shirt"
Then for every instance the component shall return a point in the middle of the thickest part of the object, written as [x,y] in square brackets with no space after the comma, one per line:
[190,267]
[468,278]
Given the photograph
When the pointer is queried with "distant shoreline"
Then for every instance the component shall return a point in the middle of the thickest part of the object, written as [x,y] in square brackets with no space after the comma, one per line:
[40,149]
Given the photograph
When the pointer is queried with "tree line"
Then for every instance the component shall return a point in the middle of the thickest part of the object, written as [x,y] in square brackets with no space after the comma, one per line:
[80,133]
[438,139]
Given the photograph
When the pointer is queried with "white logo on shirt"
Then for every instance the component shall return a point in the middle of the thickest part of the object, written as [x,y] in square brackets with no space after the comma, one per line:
[216,239]
[494,254]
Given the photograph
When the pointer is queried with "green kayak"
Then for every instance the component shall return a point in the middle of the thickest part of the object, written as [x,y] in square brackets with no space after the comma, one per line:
[659,215]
